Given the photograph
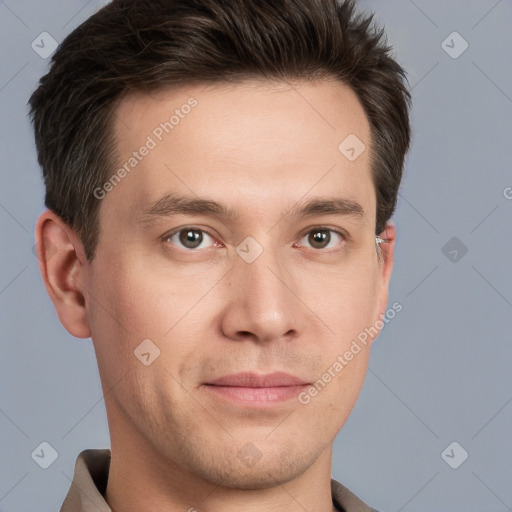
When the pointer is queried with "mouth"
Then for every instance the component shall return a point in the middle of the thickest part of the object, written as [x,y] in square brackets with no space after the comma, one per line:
[254,390]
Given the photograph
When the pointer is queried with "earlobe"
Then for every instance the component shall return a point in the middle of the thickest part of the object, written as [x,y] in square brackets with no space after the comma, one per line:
[61,262]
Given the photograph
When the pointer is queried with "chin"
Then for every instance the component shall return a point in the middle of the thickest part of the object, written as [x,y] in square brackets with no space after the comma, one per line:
[252,478]
[253,469]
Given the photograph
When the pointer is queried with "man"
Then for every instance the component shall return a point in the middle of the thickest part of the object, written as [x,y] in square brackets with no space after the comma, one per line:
[220,175]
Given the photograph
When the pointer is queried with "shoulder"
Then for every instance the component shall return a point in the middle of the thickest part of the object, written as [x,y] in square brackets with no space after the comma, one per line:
[89,482]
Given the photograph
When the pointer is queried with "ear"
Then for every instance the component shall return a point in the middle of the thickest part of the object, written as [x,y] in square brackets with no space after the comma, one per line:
[62,263]
[385,254]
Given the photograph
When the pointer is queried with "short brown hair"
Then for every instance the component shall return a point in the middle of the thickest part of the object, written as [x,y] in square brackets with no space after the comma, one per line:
[144,45]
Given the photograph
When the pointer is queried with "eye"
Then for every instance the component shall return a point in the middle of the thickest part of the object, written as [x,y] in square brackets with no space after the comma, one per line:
[191,238]
[194,238]
[321,238]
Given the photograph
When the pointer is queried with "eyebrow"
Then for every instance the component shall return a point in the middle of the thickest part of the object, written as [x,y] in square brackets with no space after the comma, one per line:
[176,204]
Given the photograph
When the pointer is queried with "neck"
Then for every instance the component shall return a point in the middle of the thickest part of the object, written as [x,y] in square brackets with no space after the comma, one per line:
[141,479]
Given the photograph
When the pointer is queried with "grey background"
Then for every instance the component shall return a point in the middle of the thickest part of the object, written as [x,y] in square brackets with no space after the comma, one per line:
[439,372]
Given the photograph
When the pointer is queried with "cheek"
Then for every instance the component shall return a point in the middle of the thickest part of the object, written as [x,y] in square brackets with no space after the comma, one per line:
[348,299]
[329,401]
[137,302]
[122,312]
[348,306]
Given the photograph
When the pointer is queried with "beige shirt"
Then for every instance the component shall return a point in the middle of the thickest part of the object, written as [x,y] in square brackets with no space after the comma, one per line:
[91,475]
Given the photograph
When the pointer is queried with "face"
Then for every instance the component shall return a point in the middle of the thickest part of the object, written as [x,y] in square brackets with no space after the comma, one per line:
[241,241]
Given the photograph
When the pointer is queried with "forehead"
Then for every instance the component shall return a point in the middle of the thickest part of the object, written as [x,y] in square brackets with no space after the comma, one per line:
[257,145]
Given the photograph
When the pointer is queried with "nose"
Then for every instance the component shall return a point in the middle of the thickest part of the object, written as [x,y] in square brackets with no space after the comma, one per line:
[261,301]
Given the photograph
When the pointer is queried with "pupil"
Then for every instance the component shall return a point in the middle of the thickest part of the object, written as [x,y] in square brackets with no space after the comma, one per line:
[191,238]
[318,238]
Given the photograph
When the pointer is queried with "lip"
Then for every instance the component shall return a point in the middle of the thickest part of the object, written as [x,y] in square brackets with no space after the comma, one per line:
[254,380]
[254,390]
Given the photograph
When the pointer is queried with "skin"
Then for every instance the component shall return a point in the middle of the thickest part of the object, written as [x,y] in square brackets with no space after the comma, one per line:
[262,148]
